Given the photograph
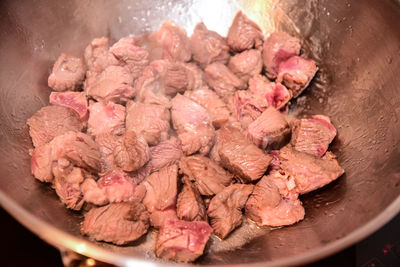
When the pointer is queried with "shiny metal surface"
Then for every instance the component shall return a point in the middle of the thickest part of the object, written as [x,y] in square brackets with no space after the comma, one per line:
[357,46]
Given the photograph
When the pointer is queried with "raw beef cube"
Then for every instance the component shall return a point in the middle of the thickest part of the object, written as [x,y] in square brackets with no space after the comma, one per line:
[225,209]
[246,64]
[190,205]
[68,73]
[106,118]
[75,100]
[165,154]
[98,57]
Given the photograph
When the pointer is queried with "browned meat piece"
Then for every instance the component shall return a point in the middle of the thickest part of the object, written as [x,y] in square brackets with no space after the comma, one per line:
[119,223]
[51,121]
[41,162]
[214,150]
[149,120]
[246,64]
[68,188]
[222,80]
[244,34]
[309,172]
[241,157]
[312,135]
[208,46]
[296,74]
[267,206]
[132,57]
[247,107]
[106,118]
[225,209]
[173,41]
[75,100]
[182,241]
[114,84]
[276,94]
[279,47]
[161,194]
[269,130]
[207,98]
[193,125]
[190,205]
[68,73]
[208,176]
[98,57]
[165,154]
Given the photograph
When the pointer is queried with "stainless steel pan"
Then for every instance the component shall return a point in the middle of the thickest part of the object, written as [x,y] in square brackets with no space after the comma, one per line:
[357,46]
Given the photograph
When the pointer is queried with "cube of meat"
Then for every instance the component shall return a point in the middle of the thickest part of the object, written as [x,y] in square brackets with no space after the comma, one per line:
[247,107]
[269,130]
[223,80]
[208,177]
[152,121]
[182,241]
[118,223]
[68,189]
[276,94]
[173,41]
[114,84]
[51,121]
[41,162]
[106,118]
[217,109]
[246,64]
[266,205]
[309,172]
[193,125]
[98,57]
[139,175]
[208,46]
[75,100]
[165,154]
[225,209]
[68,73]
[312,135]
[160,199]
[190,205]
[241,157]
[132,57]
[296,74]
[279,47]
[244,34]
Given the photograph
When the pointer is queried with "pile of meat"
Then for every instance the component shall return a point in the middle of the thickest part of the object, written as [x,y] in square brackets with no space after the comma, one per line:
[182,134]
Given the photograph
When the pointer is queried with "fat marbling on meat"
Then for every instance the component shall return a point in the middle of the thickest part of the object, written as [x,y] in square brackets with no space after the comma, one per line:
[75,100]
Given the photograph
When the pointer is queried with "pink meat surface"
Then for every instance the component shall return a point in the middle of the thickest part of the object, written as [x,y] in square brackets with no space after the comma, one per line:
[165,153]
[247,107]
[246,64]
[106,118]
[74,100]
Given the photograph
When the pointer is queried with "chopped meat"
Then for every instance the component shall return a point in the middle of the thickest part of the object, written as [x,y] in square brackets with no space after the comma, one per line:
[98,57]
[208,176]
[174,42]
[129,151]
[269,130]
[75,100]
[225,209]
[92,193]
[223,80]
[276,94]
[119,223]
[296,74]
[134,58]
[275,163]
[247,107]
[285,183]
[193,125]
[190,205]
[161,193]
[51,121]
[159,217]
[266,206]
[114,83]
[41,162]
[182,241]
[309,172]
[165,154]
[67,74]
[312,135]
[246,64]
[106,118]
[279,47]
[149,120]
[244,159]
[139,175]
[68,188]
[207,98]
[208,46]
[244,34]
[214,150]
